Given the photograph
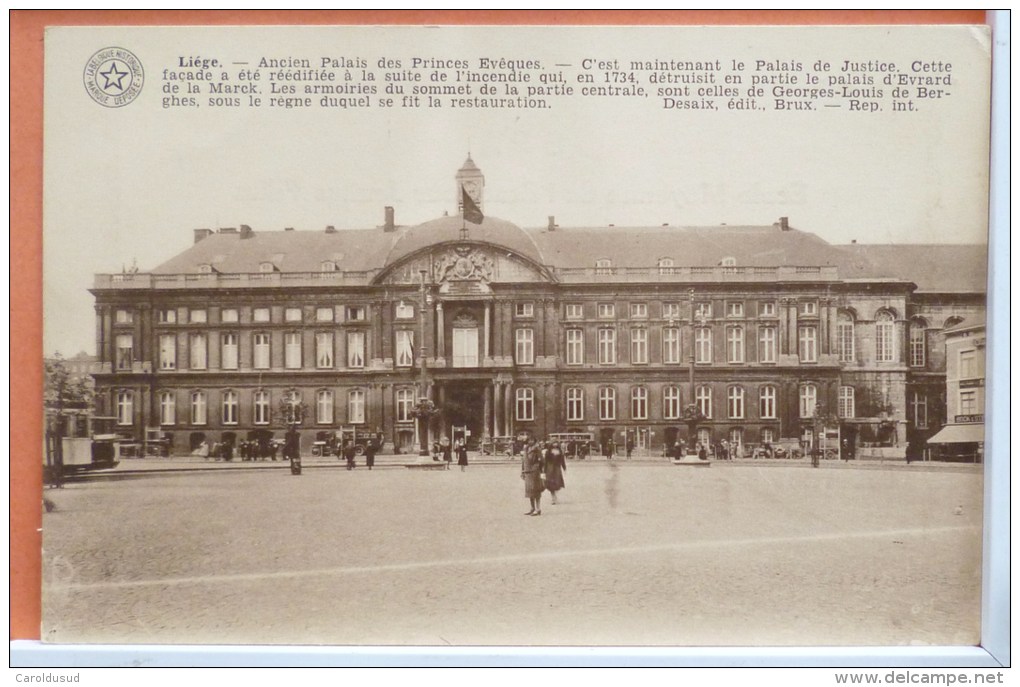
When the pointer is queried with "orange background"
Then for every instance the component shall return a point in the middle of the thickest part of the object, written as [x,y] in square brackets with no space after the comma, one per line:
[26,73]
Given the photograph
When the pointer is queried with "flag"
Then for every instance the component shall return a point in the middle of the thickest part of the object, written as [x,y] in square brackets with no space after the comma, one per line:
[472,213]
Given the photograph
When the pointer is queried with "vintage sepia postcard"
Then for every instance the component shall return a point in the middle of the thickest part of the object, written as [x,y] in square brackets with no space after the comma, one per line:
[526,336]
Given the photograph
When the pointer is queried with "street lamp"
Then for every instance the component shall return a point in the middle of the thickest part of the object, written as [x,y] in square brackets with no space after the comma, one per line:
[425,408]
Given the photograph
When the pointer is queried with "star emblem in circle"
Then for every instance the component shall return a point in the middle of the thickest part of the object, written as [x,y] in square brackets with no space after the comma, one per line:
[113,77]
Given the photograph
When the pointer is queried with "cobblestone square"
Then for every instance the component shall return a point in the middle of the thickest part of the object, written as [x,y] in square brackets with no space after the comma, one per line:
[639,553]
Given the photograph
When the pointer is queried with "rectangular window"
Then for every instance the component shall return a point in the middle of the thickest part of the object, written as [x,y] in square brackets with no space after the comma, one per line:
[356,407]
[671,345]
[524,348]
[405,404]
[809,344]
[767,309]
[703,399]
[524,310]
[465,346]
[260,315]
[575,311]
[703,311]
[767,345]
[198,408]
[324,314]
[356,349]
[968,364]
[355,313]
[198,317]
[261,407]
[884,337]
[846,402]
[968,403]
[607,311]
[735,344]
[229,315]
[767,403]
[917,346]
[324,407]
[639,403]
[575,347]
[735,402]
[525,405]
[168,352]
[405,348]
[920,404]
[607,347]
[809,308]
[260,351]
[607,403]
[575,404]
[292,315]
[845,341]
[125,408]
[230,407]
[639,346]
[767,435]
[324,350]
[671,311]
[199,353]
[808,399]
[702,345]
[292,350]
[638,311]
[124,317]
[167,316]
[671,403]
[228,353]
[167,408]
[734,309]
[125,351]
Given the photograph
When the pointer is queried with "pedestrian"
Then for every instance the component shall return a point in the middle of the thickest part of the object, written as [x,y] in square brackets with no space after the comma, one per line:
[554,467]
[531,473]
[435,450]
[292,450]
[610,449]
[444,445]
[349,453]
[462,458]
[370,449]
[702,453]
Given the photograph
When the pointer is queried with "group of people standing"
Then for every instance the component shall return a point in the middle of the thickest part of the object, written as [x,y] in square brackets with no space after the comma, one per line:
[542,468]
[442,450]
[349,451]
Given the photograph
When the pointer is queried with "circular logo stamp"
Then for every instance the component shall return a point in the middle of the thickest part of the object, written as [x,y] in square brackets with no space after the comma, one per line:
[114,77]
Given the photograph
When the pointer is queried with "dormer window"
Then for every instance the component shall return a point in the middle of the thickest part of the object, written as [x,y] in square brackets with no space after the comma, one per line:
[267,267]
[728,261]
[328,266]
[205,268]
[603,266]
[665,265]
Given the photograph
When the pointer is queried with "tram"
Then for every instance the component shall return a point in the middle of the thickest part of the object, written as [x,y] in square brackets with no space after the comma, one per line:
[78,440]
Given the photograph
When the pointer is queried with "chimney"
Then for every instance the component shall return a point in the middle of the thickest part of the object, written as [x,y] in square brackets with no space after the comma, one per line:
[246,232]
[388,224]
[784,224]
[288,228]
[853,240]
[552,223]
[228,230]
[201,234]
[330,229]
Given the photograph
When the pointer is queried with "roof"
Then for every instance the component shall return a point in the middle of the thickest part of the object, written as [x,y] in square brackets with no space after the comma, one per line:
[969,323]
[959,434]
[933,267]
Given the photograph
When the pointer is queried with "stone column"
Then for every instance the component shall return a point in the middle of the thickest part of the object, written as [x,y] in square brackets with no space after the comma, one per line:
[440,331]
[497,417]
[487,412]
[486,347]
[508,408]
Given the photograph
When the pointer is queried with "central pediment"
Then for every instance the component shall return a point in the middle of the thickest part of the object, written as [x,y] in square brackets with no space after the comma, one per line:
[464,267]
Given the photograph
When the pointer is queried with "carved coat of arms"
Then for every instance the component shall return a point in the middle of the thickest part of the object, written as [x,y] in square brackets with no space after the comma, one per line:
[463,263]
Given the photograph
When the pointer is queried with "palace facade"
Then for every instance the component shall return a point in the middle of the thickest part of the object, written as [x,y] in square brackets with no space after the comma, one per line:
[609,330]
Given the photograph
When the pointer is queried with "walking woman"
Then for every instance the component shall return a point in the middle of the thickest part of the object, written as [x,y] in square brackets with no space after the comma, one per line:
[461,450]
[555,466]
[531,473]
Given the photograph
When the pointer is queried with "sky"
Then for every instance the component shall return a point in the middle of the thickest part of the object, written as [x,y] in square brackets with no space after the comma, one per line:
[128,185]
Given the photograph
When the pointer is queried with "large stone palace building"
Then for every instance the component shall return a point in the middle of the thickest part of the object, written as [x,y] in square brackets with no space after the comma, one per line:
[610,330]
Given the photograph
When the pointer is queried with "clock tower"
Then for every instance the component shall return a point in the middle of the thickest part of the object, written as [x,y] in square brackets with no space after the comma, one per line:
[473,181]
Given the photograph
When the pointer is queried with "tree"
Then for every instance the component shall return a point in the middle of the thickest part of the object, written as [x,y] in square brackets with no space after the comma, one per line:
[63,389]
[423,411]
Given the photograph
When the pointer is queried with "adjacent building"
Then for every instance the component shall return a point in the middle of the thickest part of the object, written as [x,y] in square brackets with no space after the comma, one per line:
[611,330]
[963,436]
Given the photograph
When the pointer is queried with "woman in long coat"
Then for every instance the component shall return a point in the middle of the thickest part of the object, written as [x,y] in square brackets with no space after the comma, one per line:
[531,473]
[555,465]
[461,450]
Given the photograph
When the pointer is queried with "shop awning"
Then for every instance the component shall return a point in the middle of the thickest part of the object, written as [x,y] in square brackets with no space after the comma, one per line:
[959,434]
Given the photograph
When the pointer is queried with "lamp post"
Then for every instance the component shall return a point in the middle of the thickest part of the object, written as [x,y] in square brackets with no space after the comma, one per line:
[424,405]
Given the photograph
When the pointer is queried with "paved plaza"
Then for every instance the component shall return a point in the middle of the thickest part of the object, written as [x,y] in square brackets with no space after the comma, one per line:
[639,553]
